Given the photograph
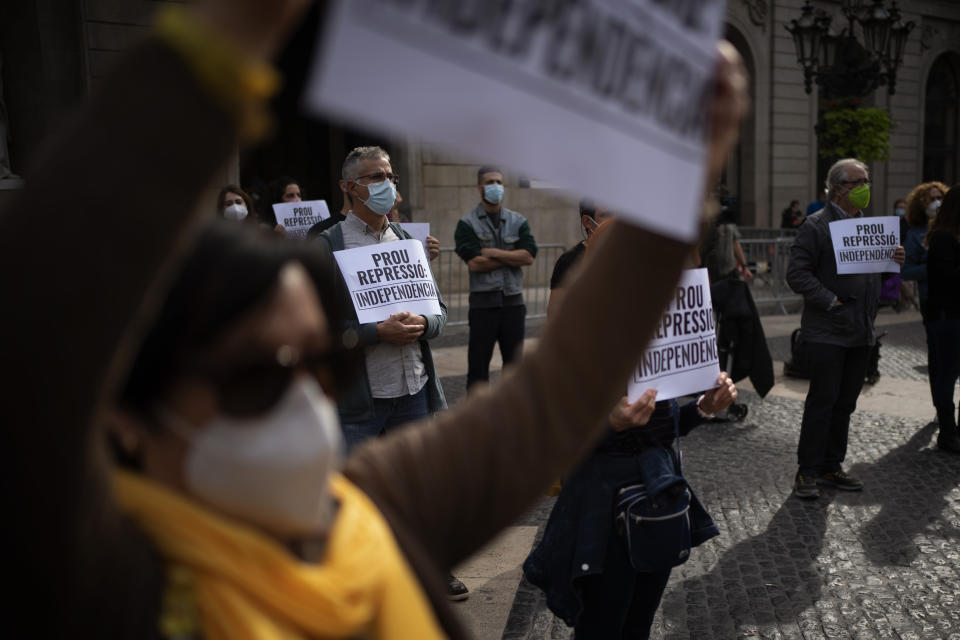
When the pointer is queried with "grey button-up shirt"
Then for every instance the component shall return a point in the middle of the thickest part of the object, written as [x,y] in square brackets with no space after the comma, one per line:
[394,370]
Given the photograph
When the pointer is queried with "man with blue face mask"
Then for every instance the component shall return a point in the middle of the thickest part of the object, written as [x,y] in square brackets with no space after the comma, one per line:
[494,242]
[398,384]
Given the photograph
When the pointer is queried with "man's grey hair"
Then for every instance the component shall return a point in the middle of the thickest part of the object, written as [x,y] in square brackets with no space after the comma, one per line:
[351,165]
[838,173]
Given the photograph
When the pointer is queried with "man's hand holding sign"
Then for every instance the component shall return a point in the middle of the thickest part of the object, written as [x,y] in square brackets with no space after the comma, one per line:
[401,328]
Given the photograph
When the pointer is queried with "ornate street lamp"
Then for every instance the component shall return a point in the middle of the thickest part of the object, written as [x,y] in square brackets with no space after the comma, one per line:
[807,33]
[841,65]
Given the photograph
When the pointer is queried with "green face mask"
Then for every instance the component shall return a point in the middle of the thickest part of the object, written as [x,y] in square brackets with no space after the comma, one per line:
[859,196]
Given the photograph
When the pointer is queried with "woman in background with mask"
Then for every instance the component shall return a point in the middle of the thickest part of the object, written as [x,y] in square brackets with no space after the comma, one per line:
[236,205]
[921,208]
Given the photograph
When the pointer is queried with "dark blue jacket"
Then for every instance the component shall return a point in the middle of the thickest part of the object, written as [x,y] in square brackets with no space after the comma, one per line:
[580,527]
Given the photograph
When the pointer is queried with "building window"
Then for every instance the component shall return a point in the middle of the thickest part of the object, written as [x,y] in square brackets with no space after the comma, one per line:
[941,133]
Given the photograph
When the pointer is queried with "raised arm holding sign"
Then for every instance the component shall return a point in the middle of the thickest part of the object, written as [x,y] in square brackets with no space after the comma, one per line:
[583,94]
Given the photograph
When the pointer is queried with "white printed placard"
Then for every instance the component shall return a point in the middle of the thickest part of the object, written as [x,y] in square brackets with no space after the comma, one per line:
[682,357]
[388,278]
[419,231]
[298,217]
[865,245]
[605,97]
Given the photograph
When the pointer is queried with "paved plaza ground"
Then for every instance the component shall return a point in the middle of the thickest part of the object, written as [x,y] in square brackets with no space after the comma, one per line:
[884,563]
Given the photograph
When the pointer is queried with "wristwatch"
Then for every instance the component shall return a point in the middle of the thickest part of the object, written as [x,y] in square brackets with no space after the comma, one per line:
[701,412]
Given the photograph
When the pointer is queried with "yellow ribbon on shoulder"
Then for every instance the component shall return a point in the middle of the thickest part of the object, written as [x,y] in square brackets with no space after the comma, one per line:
[248,586]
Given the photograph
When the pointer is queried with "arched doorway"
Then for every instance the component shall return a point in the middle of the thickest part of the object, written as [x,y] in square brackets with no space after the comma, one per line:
[738,176]
[941,128]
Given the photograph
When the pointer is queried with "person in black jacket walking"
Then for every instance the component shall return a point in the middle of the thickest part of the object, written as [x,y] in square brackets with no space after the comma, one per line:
[837,326]
[943,314]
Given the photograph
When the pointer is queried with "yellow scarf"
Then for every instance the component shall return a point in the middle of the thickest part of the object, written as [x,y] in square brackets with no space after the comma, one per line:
[250,587]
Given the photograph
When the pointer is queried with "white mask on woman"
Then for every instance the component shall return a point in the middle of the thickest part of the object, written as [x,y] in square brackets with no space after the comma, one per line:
[271,470]
[235,212]
[932,209]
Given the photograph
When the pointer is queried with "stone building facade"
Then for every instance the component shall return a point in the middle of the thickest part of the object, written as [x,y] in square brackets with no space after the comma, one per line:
[55,51]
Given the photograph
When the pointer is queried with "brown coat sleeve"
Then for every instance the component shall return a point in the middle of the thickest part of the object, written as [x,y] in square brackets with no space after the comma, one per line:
[107,203]
[453,482]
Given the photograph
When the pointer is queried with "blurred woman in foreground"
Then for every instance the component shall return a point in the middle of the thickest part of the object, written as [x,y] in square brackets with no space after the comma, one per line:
[236,522]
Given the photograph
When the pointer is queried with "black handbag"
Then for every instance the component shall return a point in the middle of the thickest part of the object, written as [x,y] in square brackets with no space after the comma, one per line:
[653,516]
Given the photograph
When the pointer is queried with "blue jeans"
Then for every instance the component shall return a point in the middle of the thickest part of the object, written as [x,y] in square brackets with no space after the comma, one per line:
[388,413]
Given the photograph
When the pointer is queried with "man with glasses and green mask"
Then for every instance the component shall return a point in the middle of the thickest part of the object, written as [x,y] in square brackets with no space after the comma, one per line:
[837,330]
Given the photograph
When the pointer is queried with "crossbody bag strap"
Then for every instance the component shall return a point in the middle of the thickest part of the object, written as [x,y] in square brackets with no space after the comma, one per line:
[675,412]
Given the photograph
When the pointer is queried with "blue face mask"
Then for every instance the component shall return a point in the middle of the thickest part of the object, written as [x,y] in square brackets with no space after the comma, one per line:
[383,195]
[493,193]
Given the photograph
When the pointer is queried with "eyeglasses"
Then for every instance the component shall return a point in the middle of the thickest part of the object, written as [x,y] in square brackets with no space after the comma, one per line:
[380,176]
[856,183]
[253,386]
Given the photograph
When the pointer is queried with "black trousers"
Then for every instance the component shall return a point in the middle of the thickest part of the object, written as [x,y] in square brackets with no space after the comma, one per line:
[836,378]
[943,378]
[620,603]
[489,326]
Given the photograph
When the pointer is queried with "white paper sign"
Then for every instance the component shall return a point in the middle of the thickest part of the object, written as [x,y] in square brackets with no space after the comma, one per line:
[388,278]
[298,217]
[419,230]
[605,97]
[865,245]
[682,357]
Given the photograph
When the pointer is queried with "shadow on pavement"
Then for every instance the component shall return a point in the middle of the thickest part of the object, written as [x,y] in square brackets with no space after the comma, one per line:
[768,578]
[912,482]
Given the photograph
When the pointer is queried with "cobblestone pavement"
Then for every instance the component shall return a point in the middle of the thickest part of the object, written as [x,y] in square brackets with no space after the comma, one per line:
[883,563]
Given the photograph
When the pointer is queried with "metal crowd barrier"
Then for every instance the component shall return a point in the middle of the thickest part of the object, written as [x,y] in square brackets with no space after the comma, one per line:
[453,280]
[767,256]
[768,259]
[766,233]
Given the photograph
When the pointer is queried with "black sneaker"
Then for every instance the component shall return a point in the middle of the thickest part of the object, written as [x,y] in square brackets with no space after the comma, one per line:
[456,590]
[948,442]
[805,487]
[840,480]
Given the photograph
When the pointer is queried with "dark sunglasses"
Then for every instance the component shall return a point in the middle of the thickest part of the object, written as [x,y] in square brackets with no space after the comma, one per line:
[253,386]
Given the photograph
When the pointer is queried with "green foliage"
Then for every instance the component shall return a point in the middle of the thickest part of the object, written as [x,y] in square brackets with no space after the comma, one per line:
[855,132]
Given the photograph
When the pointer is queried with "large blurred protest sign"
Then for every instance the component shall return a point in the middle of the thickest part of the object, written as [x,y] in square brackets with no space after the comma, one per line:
[298,217]
[605,97]
[682,357]
[388,278]
[866,245]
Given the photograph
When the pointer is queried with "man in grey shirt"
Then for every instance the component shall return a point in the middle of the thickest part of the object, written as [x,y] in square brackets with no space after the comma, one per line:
[398,383]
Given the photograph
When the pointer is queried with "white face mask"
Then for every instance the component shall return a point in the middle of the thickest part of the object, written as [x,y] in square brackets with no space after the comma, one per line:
[271,470]
[235,212]
[932,209]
